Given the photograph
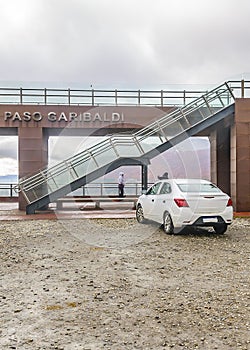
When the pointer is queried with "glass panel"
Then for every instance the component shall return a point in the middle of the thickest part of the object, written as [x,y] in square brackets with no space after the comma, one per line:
[31,197]
[128,150]
[154,189]
[85,168]
[166,188]
[150,143]
[198,187]
[60,179]
[52,185]
[218,99]
[37,192]
[184,123]
[173,129]
[105,158]
[194,117]
[204,111]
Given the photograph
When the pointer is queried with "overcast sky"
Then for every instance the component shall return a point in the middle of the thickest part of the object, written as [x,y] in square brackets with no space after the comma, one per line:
[123,43]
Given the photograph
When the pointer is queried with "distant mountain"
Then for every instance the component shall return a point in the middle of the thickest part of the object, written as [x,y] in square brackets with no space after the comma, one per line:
[178,164]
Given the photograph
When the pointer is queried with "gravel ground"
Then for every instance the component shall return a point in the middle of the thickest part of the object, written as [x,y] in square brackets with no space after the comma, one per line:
[115,284]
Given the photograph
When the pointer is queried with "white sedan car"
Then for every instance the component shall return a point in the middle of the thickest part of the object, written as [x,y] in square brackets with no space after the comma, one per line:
[180,203]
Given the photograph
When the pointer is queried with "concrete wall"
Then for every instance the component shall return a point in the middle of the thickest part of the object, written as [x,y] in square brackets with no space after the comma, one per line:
[241,165]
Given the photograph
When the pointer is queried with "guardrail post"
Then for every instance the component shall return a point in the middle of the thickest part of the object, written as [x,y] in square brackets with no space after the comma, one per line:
[184,97]
[93,97]
[116,97]
[69,96]
[21,96]
[45,96]
[161,101]
[242,88]
[139,97]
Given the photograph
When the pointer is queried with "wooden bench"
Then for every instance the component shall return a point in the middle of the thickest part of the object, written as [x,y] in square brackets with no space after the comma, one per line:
[95,200]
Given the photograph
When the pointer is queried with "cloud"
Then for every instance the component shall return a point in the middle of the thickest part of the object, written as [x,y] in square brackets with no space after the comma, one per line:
[8,147]
[8,155]
[121,44]
[8,166]
[124,43]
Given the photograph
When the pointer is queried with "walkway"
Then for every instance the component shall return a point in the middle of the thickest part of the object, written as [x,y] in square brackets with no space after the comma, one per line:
[9,211]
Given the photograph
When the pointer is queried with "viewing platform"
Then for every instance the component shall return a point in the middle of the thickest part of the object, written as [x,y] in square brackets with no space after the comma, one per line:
[135,125]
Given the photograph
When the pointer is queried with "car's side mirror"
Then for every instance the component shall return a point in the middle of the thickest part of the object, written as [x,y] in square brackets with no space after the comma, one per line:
[143,191]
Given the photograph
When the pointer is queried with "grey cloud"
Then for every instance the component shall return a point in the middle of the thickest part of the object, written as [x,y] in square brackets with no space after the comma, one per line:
[128,43]
[8,147]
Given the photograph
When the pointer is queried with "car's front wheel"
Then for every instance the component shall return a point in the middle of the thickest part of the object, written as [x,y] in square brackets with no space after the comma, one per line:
[220,229]
[140,215]
[167,225]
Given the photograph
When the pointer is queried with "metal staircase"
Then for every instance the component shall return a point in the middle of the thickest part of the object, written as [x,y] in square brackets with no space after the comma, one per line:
[51,183]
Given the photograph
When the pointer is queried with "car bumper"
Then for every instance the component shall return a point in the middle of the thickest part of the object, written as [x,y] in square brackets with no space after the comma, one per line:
[187,218]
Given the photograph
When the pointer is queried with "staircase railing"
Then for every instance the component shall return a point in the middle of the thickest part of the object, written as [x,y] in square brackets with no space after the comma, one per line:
[136,145]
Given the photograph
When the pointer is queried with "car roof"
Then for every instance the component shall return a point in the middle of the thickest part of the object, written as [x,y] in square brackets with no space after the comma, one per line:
[186,181]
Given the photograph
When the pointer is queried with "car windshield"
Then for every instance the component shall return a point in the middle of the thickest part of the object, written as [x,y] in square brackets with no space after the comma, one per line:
[154,188]
[198,187]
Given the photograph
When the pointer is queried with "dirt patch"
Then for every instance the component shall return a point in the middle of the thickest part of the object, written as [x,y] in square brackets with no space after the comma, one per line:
[115,284]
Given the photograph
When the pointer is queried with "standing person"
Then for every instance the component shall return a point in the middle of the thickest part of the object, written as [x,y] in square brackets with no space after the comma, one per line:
[164,176]
[121,184]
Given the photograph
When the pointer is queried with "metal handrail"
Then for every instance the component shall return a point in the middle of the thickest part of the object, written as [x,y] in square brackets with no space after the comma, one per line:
[8,187]
[101,187]
[99,97]
[156,129]
[93,97]
[176,114]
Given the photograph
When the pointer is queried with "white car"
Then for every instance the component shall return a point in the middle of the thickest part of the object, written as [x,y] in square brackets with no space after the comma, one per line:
[180,203]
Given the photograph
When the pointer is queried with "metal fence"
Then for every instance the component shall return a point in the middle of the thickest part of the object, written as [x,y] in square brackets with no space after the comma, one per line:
[7,190]
[92,189]
[109,189]
[97,97]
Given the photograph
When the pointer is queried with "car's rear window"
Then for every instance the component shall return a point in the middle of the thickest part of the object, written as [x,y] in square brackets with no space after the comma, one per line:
[198,187]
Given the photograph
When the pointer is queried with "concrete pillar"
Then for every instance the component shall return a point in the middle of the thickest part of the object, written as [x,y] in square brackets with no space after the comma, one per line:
[32,152]
[213,156]
[220,158]
[242,154]
[233,166]
[223,160]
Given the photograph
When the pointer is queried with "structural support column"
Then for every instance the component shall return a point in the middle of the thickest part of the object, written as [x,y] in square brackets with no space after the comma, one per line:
[32,152]
[220,158]
[241,161]
[144,177]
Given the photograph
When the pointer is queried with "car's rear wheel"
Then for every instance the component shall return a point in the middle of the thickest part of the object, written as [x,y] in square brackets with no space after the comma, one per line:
[140,215]
[220,229]
[167,225]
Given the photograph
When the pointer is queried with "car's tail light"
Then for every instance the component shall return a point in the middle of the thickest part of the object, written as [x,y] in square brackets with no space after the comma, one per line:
[181,202]
[229,203]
